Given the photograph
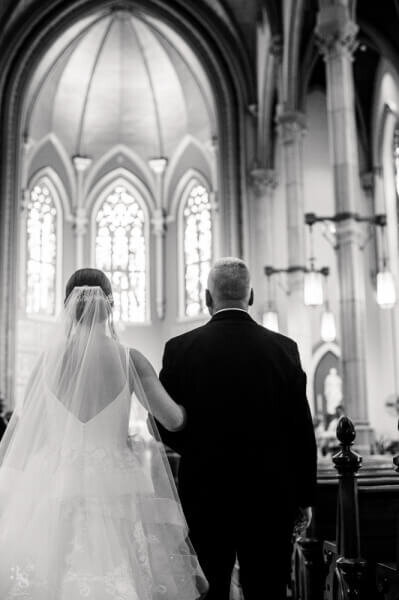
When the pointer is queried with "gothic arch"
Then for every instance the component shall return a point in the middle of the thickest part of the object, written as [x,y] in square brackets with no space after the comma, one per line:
[60,199]
[115,177]
[184,181]
[172,171]
[60,151]
[317,356]
[99,194]
[176,212]
[139,166]
[226,64]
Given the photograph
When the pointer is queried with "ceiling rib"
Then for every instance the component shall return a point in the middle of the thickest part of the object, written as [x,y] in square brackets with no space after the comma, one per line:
[151,84]
[167,45]
[89,84]
[73,42]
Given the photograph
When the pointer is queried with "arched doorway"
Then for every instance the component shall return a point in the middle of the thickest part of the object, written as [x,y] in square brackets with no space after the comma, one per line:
[324,380]
[83,161]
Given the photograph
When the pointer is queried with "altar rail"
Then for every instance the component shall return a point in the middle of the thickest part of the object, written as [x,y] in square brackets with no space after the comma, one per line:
[352,548]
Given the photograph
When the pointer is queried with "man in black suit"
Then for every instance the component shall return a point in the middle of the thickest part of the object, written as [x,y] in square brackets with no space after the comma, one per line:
[248,452]
[3,421]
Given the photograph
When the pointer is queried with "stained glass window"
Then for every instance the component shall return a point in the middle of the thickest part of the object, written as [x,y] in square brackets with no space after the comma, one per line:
[41,250]
[197,216]
[121,252]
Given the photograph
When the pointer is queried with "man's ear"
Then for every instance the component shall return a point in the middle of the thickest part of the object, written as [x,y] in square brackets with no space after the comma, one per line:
[208,299]
[251,297]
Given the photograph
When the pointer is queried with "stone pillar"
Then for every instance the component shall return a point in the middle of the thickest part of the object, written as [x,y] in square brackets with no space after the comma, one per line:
[79,216]
[292,130]
[159,223]
[336,34]
[213,147]
[79,224]
[264,183]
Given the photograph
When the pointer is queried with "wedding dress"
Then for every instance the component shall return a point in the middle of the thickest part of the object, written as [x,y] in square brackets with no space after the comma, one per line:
[86,512]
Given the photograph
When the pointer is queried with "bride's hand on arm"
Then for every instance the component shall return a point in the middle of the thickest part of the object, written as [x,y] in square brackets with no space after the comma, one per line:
[171,415]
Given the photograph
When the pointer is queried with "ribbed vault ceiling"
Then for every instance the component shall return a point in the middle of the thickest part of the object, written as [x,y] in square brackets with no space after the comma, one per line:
[120,78]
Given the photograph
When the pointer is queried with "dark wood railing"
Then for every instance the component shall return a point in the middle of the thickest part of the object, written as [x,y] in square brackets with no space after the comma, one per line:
[358,558]
[347,576]
[351,550]
[387,572]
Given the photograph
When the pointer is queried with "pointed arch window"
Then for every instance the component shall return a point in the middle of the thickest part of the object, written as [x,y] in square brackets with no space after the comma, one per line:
[197,246]
[42,231]
[121,251]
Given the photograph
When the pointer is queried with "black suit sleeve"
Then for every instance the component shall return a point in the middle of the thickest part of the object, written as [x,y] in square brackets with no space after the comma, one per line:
[169,379]
[3,427]
[304,438]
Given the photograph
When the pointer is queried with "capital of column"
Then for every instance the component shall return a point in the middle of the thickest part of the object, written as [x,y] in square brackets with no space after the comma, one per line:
[158,164]
[214,204]
[28,143]
[263,180]
[25,199]
[335,32]
[79,221]
[276,47]
[81,163]
[159,222]
[367,181]
[349,232]
[212,144]
[292,125]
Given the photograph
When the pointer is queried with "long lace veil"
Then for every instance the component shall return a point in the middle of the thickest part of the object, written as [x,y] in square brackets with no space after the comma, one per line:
[69,446]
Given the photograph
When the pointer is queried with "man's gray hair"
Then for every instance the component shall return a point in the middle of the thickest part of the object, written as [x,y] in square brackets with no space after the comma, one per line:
[229,279]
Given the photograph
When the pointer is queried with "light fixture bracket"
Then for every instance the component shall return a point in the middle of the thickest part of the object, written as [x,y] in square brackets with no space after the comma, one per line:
[269,270]
[379,220]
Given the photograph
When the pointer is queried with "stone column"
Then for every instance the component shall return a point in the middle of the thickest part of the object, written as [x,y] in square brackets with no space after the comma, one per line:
[292,129]
[336,34]
[264,183]
[79,216]
[79,224]
[159,223]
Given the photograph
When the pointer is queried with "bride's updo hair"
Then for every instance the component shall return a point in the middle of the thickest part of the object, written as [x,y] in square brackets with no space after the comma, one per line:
[90,277]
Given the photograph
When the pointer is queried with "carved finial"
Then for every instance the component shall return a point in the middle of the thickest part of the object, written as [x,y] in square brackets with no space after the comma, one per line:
[346,460]
[346,433]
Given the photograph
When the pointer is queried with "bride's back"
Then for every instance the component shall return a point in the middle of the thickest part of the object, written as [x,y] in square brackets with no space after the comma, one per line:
[87,389]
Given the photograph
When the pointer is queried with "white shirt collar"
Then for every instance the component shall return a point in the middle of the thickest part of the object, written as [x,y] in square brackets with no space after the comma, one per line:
[224,309]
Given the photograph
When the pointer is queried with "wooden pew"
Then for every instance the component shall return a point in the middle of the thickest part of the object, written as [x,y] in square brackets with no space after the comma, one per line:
[387,570]
[343,546]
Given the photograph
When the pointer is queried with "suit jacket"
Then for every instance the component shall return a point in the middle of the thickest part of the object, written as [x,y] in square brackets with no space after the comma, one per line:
[248,419]
[3,427]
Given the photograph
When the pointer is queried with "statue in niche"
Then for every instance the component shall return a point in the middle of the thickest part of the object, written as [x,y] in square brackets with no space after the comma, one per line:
[333,391]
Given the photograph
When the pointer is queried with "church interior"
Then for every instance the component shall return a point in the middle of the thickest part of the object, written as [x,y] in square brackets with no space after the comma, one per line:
[149,137]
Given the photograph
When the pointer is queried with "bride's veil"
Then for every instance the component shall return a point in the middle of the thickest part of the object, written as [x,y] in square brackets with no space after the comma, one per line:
[82,369]
[57,445]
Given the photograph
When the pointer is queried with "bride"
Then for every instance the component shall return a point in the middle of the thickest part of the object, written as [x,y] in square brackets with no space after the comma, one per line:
[84,511]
